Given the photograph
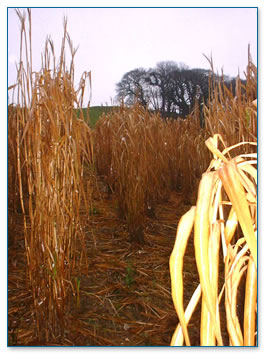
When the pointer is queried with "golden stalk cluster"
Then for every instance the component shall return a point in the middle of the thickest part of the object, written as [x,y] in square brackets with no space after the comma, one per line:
[230,112]
[227,199]
[143,158]
[47,150]
[224,221]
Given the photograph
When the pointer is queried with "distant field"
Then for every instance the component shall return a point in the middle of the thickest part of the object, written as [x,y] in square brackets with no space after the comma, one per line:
[95,113]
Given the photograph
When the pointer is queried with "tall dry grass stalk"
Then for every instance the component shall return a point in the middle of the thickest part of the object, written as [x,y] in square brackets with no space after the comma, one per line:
[13,188]
[124,146]
[143,158]
[48,146]
[230,112]
[227,201]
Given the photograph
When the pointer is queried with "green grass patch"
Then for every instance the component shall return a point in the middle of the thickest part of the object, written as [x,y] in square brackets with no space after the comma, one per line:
[93,114]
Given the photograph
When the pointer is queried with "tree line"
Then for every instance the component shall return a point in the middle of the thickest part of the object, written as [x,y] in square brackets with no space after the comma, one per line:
[170,88]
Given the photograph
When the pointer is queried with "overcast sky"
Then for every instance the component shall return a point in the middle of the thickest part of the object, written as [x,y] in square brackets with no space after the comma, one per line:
[114,41]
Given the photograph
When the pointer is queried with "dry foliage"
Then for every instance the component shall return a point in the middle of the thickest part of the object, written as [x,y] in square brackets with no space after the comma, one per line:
[227,201]
[230,112]
[47,150]
[224,221]
[143,158]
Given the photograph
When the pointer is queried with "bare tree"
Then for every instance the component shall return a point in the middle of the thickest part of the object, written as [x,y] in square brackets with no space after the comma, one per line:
[171,88]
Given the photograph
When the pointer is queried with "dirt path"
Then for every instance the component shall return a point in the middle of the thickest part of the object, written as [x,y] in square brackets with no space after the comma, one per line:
[126,296]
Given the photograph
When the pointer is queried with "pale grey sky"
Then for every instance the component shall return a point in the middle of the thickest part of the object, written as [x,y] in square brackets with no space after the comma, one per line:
[116,40]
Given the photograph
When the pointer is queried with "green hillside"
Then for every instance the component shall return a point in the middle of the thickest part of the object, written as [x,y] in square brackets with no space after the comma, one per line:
[94,113]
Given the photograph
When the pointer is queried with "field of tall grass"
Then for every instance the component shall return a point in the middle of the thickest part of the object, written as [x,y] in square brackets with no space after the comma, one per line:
[55,161]
[143,158]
